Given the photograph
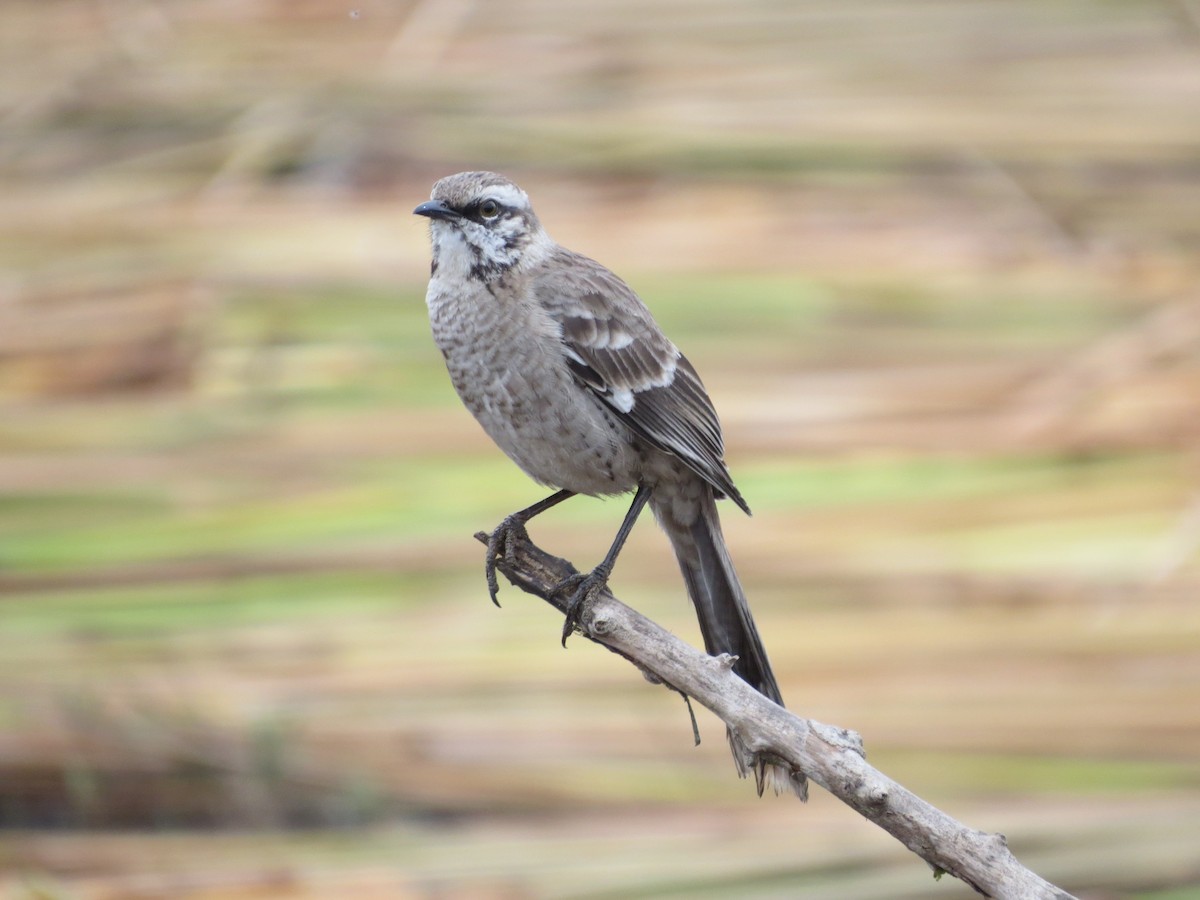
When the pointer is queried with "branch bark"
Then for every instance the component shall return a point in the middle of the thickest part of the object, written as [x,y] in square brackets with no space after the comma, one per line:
[830,756]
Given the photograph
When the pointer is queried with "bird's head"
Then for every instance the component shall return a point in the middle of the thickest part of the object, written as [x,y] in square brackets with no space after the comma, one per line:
[481,226]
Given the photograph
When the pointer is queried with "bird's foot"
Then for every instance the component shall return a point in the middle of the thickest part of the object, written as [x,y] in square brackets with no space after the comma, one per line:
[501,544]
[581,589]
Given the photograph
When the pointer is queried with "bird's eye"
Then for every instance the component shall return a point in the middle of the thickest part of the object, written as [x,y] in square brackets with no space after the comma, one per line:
[489,209]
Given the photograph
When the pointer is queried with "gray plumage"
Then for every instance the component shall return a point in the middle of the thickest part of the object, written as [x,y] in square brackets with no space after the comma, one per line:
[567,371]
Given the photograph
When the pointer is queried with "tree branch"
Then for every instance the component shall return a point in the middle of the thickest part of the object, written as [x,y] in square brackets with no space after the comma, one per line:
[832,757]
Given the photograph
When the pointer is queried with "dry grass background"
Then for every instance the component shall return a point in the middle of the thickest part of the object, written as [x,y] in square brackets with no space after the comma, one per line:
[937,263]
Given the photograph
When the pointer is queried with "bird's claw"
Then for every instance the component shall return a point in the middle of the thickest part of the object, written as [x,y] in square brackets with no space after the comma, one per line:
[581,589]
[501,545]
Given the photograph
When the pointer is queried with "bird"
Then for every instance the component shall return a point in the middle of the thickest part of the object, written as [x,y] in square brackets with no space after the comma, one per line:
[565,368]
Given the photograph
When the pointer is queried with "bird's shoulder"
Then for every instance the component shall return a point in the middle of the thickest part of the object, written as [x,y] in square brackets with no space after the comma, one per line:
[613,347]
[605,325]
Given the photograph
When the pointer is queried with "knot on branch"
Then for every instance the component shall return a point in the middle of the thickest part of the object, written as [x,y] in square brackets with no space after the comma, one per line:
[724,661]
[840,738]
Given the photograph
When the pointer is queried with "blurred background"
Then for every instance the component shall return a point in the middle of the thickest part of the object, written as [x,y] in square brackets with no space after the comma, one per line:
[937,264]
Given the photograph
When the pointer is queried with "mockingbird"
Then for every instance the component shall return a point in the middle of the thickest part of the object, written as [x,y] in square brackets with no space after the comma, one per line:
[567,371]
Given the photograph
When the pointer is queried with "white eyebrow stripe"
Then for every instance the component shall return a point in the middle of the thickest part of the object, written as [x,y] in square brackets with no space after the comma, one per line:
[507,195]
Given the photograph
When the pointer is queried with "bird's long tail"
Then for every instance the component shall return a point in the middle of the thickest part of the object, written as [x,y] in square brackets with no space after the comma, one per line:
[690,520]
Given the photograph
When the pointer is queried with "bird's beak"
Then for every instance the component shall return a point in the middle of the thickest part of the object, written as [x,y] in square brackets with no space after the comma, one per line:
[436,209]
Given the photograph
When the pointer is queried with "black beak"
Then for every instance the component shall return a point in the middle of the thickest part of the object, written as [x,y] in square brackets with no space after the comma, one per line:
[436,209]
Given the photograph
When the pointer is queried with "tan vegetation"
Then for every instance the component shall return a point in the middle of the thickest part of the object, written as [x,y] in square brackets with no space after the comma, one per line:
[937,264]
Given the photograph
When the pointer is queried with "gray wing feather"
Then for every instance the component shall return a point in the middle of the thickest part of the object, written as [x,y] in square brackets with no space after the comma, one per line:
[616,349]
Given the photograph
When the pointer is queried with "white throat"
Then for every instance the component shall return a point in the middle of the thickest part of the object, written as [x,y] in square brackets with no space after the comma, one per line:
[465,249]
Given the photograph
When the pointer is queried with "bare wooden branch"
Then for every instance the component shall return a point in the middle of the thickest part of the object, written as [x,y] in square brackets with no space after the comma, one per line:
[830,756]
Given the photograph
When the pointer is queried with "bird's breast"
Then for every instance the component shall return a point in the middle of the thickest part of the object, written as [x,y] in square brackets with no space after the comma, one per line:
[504,356]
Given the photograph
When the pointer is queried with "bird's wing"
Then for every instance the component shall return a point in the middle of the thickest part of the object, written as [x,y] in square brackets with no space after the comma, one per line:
[615,349]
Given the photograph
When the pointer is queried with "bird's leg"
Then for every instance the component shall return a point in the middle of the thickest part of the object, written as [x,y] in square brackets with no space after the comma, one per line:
[585,586]
[500,541]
